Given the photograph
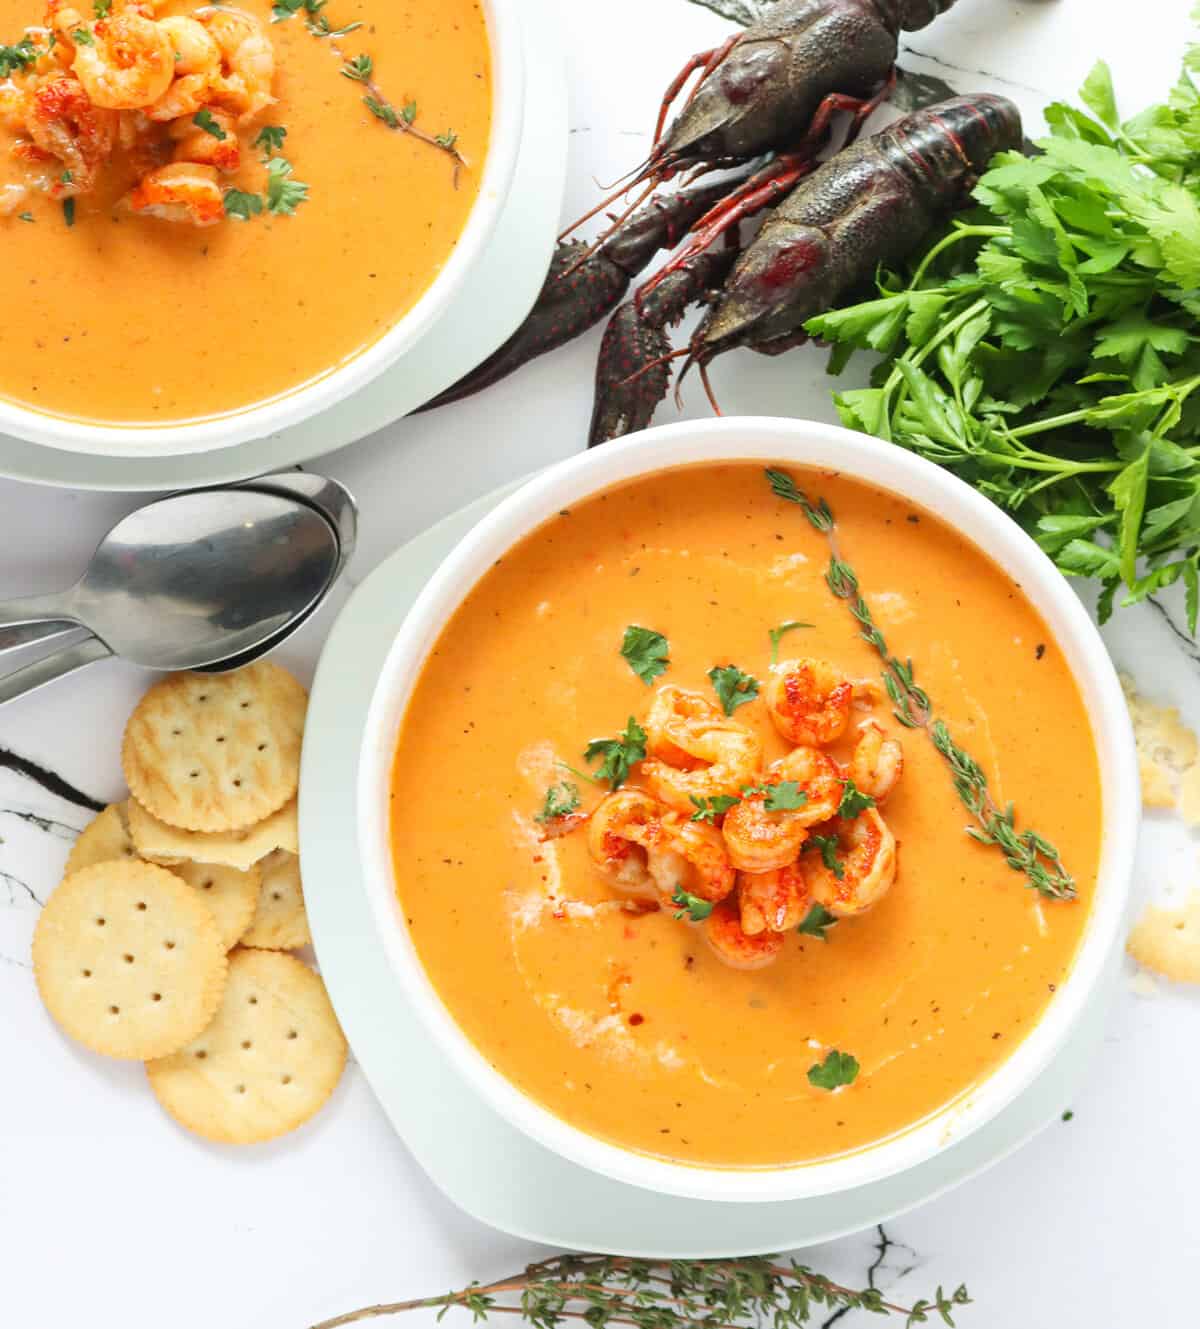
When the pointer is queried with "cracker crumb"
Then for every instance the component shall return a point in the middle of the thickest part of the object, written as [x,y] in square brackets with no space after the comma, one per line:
[1168,755]
[1167,941]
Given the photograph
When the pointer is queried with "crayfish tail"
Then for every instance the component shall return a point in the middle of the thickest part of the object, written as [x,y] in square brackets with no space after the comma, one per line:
[632,376]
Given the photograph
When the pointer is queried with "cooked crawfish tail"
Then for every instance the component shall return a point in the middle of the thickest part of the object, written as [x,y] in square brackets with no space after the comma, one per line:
[633,371]
[764,92]
[873,203]
[580,289]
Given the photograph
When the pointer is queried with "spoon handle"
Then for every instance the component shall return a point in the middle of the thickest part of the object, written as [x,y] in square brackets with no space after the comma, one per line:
[50,667]
[27,633]
[34,609]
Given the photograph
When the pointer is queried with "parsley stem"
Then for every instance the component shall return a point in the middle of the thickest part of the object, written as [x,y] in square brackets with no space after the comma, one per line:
[960,232]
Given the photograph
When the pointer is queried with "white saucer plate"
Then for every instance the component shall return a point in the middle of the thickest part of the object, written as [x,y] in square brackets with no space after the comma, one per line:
[480,1162]
[495,300]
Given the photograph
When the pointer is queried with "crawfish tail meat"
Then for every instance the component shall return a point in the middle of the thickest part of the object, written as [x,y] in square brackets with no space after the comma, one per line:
[873,203]
[633,370]
[581,288]
[767,89]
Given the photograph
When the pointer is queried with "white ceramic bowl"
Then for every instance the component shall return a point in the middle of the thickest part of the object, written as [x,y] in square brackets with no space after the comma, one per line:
[796,443]
[309,399]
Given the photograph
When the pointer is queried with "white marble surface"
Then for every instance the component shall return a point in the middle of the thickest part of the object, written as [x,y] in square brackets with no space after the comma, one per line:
[109,1215]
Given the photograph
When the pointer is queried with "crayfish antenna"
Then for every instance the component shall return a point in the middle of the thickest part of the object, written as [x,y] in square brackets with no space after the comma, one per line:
[612,198]
[652,364]
[708,389]
[702,365]
[618,222]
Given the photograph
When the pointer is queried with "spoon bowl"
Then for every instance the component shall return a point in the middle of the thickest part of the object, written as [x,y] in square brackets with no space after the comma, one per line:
[197,579]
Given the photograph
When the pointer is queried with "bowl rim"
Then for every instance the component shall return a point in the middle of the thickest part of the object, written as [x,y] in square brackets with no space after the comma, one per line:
[784,442]
[311,398]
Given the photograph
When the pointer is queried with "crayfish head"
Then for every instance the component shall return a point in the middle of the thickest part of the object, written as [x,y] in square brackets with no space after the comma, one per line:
[782,280]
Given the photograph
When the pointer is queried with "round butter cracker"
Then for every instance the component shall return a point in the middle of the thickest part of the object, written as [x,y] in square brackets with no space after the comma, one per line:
[216,752]
[160,843]
[230,894]
[103,840]
[280,921]
[128,960]
[268,1061]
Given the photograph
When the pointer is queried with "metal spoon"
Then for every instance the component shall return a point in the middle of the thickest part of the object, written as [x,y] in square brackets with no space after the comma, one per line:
[330,497]
[186,582]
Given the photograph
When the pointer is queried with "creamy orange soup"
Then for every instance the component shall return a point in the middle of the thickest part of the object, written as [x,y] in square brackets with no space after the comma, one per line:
[134,319]
[625,1023]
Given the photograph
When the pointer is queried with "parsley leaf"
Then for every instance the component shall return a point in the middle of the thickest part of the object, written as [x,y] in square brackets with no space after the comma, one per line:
[284,195]
[618,755]
[242,205]
[270,138]
[854,801]
[20,56]
[785,796]
[646,652]
[102,7]
[82,37]
[561,799]
[733,688]
[838,1069]
[695,908]
[828,845]
[203,119]
[817,922]
[709,809]
[777,635]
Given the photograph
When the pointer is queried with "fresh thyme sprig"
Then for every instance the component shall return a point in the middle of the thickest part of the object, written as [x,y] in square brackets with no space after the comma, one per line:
[1026,852]
[604,1290]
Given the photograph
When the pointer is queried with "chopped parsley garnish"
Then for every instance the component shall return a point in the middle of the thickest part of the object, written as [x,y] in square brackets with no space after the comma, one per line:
[709,809]
[816,922]
[101,7]
[646,652]
[778,634]
[25,217]
[69,211]
[838,1068]
[66,177]
[733,688]
[82,37]
[695,908]
[854,800]
[359,70]
[242,205]
[284,195]
[204,120]
[561,799]
[20,56]
[618,755]
[828,845]
[786,796]
[270,138]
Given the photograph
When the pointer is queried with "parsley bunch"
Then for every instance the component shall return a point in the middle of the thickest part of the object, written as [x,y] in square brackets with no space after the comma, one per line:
[1046,346]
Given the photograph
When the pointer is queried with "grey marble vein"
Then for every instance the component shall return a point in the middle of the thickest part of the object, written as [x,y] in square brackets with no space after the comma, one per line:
[61,830]
[48,780]
[975,73]
[883,1248]
[16,887]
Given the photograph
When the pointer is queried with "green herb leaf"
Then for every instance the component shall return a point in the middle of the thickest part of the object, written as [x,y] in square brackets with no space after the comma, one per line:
[618,755]
[270,138]
[777,635]
[101,8]
[203,119]
[646,652]
[18,57]
[241,205]
[709,809]
[284,195]
[838,1069]
[561,799]
[828,845]
[695,908]
[733,687]
[359,70]
[854,801]
[448,140]
[817,922]
[68,209]
[82,37]
[786,796]
[384,111]
[25,216]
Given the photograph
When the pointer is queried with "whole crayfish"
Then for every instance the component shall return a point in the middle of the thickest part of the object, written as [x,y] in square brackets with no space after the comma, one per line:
[770,89]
